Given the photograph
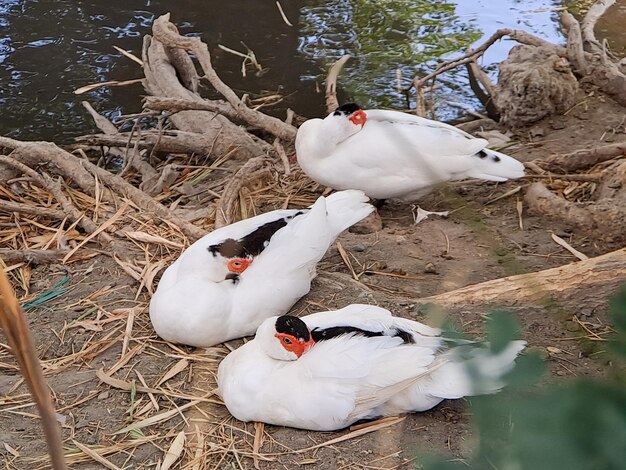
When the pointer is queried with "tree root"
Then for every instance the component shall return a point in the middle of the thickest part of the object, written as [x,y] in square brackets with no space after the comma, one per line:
[605,218]
[583,158]
[247,174]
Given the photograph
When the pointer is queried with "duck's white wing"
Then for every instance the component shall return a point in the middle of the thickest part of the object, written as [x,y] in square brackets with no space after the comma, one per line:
[465,155]
[357,374]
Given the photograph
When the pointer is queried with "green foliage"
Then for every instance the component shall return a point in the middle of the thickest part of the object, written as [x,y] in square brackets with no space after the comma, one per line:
[576,425]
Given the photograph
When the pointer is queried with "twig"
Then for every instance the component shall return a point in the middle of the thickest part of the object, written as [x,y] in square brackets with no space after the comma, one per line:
[282,13]
[246,174]
[472,54]
[54,187]
[331,83]
[36,256]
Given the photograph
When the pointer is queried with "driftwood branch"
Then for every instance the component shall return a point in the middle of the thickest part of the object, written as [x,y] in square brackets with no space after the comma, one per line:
[44,181]
[10,206]
[588,24]
[171,141]
[605,218]
[331,83]
[471,55]
[583,158]
[165,32]
[581,284]
[160,103]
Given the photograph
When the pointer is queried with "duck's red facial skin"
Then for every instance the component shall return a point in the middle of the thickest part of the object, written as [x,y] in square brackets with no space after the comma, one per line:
[294,345]
[358,118]
[238,265]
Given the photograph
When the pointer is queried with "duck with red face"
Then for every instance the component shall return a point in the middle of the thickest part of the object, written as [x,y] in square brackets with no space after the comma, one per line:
[390,154]
[328,370]
[225,284]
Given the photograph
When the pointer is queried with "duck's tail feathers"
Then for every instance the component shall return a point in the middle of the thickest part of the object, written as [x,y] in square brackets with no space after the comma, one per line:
[346,208]
[475,372]
[495,166]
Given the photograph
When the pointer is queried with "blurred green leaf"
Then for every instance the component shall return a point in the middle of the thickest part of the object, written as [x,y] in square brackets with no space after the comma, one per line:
[502,328]
[578,424]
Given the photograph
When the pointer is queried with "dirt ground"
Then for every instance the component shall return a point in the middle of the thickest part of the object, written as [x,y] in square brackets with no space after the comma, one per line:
[101,323]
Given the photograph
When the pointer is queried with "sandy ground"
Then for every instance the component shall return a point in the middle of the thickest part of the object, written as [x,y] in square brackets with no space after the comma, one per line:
[102,323]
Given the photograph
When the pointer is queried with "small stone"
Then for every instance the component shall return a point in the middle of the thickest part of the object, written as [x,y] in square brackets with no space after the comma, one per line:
[572,326]
[358,248]
[430,269]
[83,423]
[370,224]
[103,396]
[560,372]
[557,125]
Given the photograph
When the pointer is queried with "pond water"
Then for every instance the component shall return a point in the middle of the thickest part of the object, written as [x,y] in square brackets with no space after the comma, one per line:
[49,48]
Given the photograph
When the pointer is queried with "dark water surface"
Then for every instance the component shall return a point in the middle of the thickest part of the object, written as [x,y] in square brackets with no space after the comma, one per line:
[50,48]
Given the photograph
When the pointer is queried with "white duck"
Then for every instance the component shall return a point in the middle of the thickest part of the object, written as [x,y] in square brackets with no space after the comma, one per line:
[225,284]
[327,370]
[389,154]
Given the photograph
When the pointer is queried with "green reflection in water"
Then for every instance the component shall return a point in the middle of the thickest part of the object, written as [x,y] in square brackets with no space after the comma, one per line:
[383,36]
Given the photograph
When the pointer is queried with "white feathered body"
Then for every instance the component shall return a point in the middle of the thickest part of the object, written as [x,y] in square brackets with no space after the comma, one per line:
[194,304]
[352,377]
[396,155]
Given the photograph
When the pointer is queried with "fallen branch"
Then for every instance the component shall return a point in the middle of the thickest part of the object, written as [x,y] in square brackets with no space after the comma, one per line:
[39,256]
[471,55]
[581,284]
[54,187]
[597,10]
[172,141]
[280,150]
[159,103]
[225,212]
[605,218]
[10,206]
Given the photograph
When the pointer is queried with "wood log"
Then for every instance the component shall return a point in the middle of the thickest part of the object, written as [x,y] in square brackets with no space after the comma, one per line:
[576,286]
[171,141]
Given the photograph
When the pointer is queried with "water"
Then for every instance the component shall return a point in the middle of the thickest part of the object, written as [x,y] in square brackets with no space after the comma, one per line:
[49,48]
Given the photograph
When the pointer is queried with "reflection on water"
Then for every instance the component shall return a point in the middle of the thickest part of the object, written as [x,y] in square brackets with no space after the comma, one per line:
[50,48]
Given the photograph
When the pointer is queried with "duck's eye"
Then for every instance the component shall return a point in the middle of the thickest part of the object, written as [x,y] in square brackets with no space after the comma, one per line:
[286,341]
[237,264]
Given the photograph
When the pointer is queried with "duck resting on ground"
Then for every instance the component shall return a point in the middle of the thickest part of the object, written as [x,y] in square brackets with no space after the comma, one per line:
[394,155]
[328,370]
[225,284]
